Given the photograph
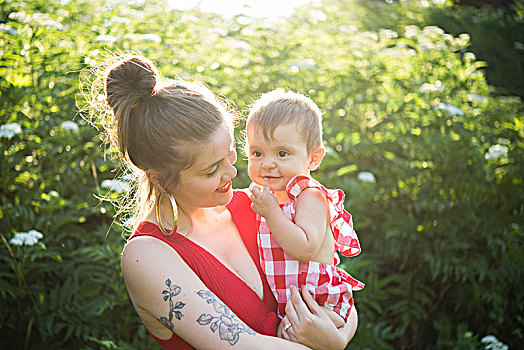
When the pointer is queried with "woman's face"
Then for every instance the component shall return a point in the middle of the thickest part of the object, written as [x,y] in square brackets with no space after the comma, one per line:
[207,183]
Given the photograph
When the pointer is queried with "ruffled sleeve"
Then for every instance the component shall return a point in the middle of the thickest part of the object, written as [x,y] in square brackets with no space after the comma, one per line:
[341,221]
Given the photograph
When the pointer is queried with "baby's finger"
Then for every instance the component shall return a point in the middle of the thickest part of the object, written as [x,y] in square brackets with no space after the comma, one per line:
[254,200]
[255,191]
[266,185]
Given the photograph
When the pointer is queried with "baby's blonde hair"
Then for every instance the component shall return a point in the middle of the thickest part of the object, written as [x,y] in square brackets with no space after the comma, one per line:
[280,107]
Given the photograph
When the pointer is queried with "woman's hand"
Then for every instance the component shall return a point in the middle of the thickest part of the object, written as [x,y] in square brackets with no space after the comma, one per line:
[311,326]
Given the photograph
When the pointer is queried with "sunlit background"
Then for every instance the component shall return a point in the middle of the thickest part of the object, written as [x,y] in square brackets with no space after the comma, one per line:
[273,9]
[423,125]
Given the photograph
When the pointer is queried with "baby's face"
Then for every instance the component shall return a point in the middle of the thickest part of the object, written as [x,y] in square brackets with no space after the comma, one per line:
[278,159]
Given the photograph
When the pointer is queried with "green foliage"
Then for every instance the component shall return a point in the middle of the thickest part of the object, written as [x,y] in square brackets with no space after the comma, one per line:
[440,217]
[497,36]
[496,29]
[60,292]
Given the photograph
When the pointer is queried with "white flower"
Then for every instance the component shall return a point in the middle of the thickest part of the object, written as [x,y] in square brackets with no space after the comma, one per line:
[319,16]
[9,130]
[496,151]
[106,38]
[18,16]
[150,37]
[118,19]
[51,23]
[17,240]
[469,56]
[492,343]
[305,63]
[412,31]
[389,34]
[398,52]
[427,87]
[26,238]
[433,30]
[366,176]
[477,98]
[451,109]
[69,125]
[8,29]
[489,339]
[118,186]
[503,141]
[240,44]
[348,28]
[464,36]
[63,13]
[369,35]
[129,177]
[37,18]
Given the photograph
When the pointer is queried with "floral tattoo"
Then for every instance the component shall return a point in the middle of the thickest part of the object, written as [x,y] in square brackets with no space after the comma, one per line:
[228,325]
[171,291]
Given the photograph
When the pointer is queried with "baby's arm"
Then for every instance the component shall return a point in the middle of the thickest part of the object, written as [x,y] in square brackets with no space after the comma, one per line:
[302,239]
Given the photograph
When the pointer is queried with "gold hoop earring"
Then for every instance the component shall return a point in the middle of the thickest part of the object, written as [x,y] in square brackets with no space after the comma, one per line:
[175,214]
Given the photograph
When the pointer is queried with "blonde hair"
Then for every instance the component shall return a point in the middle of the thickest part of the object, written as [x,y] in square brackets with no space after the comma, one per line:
[154,123]
[280,107]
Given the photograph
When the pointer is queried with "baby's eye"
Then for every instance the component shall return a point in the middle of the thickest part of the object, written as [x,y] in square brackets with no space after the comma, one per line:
[282,154]
[256,154]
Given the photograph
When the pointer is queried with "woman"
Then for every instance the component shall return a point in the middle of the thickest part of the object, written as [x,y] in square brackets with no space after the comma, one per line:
[191,267]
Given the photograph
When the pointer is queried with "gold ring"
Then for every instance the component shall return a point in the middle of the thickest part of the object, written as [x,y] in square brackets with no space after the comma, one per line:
[288,326]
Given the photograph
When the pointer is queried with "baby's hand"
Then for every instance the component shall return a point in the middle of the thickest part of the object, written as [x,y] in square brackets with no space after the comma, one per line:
[263,202]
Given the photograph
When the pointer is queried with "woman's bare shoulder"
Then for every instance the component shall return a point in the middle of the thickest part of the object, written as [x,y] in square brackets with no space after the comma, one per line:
[145,257]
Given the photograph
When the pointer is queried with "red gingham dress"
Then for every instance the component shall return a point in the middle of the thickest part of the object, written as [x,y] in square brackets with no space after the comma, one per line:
[330,286]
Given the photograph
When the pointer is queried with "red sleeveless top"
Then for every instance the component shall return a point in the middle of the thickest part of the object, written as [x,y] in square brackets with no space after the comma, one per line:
[258,314]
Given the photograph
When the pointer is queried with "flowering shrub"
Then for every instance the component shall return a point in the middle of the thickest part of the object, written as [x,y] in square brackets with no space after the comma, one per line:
[430,161]
[26,238]
[9,130]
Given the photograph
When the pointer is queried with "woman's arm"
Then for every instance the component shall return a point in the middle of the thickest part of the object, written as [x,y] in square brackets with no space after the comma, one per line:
[311,326]
[169,297]
[303,238]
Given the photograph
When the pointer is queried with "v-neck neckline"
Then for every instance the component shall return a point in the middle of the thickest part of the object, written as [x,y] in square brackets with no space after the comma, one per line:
[213,257]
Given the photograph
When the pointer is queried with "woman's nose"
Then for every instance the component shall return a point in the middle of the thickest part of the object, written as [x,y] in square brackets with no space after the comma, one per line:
[230,172]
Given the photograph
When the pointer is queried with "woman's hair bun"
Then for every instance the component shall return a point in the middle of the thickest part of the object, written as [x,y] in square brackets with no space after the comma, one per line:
[130,80]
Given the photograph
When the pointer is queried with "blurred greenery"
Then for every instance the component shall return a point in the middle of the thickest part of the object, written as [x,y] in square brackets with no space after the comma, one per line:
[440,217]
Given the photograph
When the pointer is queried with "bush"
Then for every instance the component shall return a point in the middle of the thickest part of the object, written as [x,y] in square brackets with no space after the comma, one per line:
[431,164]
[496,37]
[59,292]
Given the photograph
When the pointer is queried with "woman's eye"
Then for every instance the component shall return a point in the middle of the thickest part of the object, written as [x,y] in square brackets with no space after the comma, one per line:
[282,154]
[214,172]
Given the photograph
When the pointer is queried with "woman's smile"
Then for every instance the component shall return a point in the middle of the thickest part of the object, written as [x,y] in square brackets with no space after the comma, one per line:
[225,187]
